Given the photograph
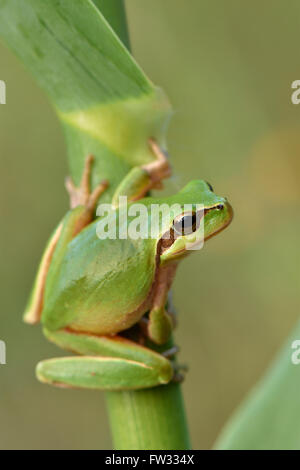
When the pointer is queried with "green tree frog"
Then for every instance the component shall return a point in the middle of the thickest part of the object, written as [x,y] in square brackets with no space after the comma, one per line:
[89,292]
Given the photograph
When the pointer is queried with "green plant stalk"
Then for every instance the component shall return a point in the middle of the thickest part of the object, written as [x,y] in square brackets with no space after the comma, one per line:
[107,107]
[146,419]
[151,419]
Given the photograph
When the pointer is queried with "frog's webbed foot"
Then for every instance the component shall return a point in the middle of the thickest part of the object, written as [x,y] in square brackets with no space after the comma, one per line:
[82,195]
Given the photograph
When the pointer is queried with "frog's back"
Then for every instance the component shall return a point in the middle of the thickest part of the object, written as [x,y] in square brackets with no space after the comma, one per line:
[99,284]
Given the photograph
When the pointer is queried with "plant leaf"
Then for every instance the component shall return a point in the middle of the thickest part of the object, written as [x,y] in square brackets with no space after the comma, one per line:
[107,105]
[72,51]
[269,417]
[114,13]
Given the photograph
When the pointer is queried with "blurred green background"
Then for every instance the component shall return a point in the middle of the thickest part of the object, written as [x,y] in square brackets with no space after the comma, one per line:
[227,68]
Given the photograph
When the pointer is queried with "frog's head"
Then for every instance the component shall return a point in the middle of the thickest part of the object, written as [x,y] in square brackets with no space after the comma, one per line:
[188,229]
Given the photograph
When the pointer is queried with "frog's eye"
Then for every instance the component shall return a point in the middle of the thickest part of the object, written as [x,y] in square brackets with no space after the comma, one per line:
[219,207]
[210,186]
[185,224]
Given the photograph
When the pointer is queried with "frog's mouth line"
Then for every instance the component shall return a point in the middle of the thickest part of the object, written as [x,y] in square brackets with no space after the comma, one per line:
[169,237]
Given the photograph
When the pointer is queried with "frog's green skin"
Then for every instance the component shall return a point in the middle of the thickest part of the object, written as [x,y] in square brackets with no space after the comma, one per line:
[88,289]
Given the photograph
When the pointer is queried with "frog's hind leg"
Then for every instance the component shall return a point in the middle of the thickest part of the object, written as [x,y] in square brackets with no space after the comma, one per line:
[34,307]
[85,201]
[107,363]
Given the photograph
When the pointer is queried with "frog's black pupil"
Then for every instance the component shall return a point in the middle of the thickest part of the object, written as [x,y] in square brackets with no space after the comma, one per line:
[186,225]
[220,207]
[210,186]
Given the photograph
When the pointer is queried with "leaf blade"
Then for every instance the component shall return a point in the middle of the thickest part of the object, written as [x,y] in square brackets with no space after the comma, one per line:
[72,51]
[269,417]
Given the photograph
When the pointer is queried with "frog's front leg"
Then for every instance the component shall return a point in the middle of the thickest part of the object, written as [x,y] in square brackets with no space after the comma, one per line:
[161,323]
[107,363]
[142,179]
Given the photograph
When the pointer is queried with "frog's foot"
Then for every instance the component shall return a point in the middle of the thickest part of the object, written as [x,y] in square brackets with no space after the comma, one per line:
[178,378]
[179,372]
[82,195]
[107,363]
[159,326]
[160,168]
[171,352]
